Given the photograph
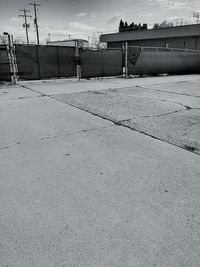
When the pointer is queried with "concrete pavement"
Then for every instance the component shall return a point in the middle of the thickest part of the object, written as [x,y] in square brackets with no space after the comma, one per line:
[78,190]
[166,111]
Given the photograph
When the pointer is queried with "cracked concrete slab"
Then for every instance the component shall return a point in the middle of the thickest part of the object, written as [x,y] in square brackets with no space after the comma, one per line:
[35,119]
[189,88]
[121,106]
[108,197]
[78,190]
[182,129]
[52,87]
[171,117]
[15,92]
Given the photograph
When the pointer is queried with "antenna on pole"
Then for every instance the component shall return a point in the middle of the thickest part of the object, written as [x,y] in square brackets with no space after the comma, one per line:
[36,20]
[25,25]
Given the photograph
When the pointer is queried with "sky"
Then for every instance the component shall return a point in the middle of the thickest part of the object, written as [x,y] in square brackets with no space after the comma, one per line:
[64,19]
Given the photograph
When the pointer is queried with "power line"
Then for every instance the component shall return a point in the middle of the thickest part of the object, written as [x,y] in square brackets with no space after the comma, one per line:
[36,20]
[25,25]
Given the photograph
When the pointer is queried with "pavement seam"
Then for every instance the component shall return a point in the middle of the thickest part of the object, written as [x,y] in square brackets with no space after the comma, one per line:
[46,138]
[166,92]
[119,123]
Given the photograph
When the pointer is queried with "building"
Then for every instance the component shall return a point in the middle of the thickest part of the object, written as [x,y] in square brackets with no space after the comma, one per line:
[184,37]
[81,43]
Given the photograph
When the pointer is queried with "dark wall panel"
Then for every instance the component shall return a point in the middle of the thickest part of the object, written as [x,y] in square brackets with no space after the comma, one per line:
[159,62]
[4,64]
[101,63]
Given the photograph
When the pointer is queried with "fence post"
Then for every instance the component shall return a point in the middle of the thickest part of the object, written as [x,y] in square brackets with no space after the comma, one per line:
[13,67]
[58,60]
[38,61]
[126,60]
[78,70]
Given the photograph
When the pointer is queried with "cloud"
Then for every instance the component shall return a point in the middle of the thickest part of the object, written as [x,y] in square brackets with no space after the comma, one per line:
[15,19]
[81,26]
[115,18]
[80,15]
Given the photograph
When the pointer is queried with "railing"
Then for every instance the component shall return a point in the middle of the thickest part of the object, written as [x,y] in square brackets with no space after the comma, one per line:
[149,48]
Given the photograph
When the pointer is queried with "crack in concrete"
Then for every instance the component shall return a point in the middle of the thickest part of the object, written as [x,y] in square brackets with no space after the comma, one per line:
[121,123]
[162,115]
[166,92]
[53,137]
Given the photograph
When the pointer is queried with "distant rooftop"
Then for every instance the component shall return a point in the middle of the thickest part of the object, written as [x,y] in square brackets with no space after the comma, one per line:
[167,32]
[68,40]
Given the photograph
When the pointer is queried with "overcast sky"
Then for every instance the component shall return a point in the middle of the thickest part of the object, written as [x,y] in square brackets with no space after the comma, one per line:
[83,18]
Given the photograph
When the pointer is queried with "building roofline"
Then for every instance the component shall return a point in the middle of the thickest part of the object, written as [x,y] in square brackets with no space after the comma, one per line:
[168,32]
[61,41]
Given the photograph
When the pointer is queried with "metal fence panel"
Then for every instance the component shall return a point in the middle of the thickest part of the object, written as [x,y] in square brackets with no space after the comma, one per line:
[4,64]
[48,62]
[112,62]
[146,62]
[44,62]
[67,65]
[101,63]
[91,63]
[27,62]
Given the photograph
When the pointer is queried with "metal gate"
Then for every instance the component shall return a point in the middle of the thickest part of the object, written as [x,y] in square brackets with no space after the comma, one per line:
[5,74]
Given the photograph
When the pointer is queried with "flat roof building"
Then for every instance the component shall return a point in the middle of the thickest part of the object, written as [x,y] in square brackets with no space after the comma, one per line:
[81,43]
[184,37]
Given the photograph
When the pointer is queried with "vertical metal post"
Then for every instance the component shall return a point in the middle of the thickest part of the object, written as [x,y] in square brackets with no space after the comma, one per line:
[13,68]
[38,61]
[126,60]
[58,61]
[78,70]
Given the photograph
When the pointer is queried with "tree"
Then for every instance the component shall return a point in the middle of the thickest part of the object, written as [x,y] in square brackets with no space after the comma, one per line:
[121,25]
[196,15]
[3,39]
[95,42]
[144,26]
[164,24]
[126,25]
[156,26]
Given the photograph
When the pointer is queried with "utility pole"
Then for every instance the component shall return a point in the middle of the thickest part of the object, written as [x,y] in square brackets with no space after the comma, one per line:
[25,25]
[36,20]
[49,36]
